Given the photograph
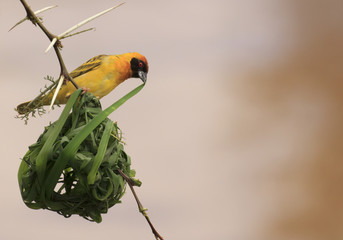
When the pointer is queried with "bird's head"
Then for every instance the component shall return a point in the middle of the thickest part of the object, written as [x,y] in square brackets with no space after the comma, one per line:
[139,66]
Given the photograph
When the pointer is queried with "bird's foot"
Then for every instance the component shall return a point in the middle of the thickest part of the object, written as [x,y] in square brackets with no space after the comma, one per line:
[84,90]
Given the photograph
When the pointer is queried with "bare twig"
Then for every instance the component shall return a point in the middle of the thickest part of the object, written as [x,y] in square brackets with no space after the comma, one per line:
[140,206]
[35,20]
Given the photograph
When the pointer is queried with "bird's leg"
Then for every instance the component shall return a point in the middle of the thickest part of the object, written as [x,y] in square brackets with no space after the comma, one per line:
[84,90]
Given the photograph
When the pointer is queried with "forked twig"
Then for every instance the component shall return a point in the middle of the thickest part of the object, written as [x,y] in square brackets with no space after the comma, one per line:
[140,206]
[35,20]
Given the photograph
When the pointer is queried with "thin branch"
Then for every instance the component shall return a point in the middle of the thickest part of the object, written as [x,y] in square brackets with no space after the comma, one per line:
[140,206]
[35,20]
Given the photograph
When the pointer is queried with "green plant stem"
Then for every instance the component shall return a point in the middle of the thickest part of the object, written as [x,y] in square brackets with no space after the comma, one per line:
[42,94]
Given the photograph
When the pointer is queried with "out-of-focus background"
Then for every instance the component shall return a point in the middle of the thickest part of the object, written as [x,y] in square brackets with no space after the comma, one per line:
[237,135]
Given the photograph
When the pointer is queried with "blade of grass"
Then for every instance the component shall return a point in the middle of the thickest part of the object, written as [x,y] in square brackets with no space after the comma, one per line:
[72,147]
[53,132]
[101,152]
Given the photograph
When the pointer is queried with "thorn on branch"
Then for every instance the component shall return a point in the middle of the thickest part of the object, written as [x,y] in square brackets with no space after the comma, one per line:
[51,44]
[73,28]
[56,91]
[87,21]
[31,19]
[73,34]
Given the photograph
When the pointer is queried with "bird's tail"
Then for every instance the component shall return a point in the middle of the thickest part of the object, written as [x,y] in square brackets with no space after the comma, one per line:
[27,107]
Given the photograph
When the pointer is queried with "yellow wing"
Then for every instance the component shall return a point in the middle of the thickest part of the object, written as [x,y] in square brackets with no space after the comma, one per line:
[90,65]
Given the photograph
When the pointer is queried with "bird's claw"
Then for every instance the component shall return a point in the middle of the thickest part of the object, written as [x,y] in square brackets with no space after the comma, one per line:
[84,90]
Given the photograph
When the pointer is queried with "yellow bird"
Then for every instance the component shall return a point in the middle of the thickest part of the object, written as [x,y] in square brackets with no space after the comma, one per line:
[99,76]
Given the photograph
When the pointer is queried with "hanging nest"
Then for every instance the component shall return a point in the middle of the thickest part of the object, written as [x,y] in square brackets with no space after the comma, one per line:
[73,166]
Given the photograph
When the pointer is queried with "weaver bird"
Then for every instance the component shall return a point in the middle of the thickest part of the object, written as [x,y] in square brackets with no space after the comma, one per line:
[99,76]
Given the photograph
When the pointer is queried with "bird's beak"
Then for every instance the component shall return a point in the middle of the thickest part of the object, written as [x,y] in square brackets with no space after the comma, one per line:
[142,75]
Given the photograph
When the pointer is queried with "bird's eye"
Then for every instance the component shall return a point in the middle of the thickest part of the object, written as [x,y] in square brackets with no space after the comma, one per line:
[140,65]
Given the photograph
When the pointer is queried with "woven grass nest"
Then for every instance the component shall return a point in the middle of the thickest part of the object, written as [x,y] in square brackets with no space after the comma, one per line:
[73,166]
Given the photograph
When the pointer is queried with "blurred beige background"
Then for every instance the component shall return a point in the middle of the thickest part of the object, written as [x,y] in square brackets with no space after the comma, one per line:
[237,135]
